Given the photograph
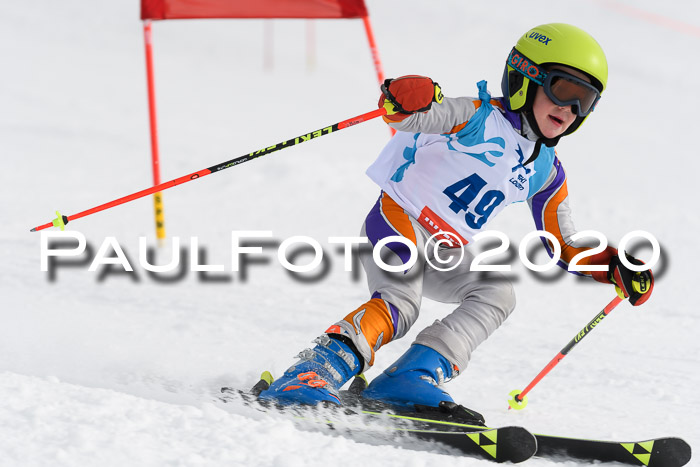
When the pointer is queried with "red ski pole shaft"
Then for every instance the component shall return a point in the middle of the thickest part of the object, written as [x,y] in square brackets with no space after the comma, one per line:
[563,352]
[62,220]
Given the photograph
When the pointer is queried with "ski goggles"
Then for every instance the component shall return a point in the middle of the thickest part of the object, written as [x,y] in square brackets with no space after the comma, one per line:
[562,88]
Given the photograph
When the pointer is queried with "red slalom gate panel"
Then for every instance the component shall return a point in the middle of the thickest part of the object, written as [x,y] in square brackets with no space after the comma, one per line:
[188,9]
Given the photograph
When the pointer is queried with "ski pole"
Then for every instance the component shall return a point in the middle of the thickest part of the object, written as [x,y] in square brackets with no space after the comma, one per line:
[61,220]
[518,399]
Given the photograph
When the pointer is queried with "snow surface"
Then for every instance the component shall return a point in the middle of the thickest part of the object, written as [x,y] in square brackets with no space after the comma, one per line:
[122,369]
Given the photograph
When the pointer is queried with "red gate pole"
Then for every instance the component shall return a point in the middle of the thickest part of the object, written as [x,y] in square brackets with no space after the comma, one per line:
[373,49]
[375,55]
[155,160]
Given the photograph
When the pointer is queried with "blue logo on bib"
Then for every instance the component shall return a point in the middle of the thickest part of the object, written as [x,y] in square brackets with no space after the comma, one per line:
[409,154]
[521,156]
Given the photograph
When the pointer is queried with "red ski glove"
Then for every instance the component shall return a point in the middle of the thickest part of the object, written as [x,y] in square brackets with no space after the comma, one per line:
[407,95]
[637,286]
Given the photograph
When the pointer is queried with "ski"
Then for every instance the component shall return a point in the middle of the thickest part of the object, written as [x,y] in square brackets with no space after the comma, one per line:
[504,444]
[461,428]
[656,452]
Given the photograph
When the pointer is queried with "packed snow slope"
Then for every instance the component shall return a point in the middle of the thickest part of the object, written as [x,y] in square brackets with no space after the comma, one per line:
[116,368]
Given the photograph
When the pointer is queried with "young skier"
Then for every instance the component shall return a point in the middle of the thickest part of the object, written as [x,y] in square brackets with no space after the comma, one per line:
[454,164]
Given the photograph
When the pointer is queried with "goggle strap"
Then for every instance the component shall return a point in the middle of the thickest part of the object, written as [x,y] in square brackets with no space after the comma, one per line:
[526,67]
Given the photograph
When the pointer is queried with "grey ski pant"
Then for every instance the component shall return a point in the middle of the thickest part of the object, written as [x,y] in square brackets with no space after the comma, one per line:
[483,299]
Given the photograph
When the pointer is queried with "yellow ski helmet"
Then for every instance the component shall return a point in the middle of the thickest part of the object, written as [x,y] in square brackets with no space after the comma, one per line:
[548,44]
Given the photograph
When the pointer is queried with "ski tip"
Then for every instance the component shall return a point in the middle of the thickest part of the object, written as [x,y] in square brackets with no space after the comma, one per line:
[506,444]
[671,452]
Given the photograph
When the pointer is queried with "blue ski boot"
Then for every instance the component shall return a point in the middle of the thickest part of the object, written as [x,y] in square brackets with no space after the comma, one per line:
[414,379]
[317,376]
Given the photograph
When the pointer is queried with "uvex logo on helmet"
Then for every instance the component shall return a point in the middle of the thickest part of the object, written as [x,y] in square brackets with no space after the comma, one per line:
[540,37]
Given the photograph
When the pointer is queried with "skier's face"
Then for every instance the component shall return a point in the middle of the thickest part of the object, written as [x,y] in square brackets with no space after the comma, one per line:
[553,119]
